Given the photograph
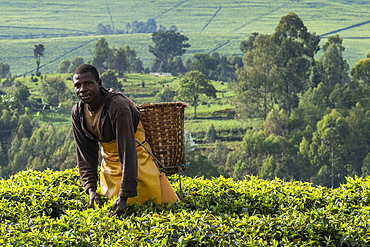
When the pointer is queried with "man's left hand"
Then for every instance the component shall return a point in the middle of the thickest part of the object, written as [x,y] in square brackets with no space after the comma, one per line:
[119,206]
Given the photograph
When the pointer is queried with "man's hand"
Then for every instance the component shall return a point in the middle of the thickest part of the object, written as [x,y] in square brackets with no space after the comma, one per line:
[94,197]
[119,206]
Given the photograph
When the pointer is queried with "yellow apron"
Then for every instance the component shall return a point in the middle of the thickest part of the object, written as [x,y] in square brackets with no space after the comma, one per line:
[152,184]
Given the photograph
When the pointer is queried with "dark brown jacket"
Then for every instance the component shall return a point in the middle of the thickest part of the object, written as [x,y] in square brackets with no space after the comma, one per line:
[119,120]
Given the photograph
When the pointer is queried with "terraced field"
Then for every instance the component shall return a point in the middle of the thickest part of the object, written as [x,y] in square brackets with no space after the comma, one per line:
[210,25]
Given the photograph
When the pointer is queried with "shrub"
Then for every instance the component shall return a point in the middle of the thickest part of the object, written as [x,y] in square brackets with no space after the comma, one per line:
[50,209]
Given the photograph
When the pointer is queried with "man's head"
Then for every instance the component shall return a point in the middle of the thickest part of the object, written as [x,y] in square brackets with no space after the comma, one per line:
[87,86]
[84,68]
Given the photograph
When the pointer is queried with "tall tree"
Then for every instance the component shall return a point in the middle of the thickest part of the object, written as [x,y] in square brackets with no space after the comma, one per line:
[102,53]
[4,70]
[168,45]
[120,61]
[275,70]
[296,47]
[329,149]
[132,61]
[192,86]
[334,66]
[259,80]
[38,52]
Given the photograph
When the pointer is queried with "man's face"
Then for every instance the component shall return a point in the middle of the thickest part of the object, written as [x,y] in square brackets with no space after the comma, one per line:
[86,87]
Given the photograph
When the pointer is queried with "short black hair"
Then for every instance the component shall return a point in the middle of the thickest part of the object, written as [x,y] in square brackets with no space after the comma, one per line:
[84,68]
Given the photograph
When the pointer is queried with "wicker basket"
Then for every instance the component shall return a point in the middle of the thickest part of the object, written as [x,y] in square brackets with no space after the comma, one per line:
[164,130]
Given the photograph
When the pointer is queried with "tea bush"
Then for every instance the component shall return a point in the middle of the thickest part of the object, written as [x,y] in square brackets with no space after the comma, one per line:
[50,209]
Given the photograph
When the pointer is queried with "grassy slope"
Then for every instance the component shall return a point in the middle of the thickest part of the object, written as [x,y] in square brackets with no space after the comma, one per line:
[210,25]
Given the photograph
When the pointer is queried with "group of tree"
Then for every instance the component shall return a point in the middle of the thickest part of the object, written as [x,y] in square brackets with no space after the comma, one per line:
[67,66]
[122,60]
[315,117]
[150,26]
[27,144]
[53,92]
[169,48]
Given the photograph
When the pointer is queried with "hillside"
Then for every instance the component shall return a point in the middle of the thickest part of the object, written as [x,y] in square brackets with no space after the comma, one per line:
[210,25]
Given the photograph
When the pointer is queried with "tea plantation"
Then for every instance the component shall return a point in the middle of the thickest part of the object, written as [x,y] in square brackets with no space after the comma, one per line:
[49,209]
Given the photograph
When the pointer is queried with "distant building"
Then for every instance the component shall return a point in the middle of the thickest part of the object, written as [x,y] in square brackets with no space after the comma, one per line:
[162,74]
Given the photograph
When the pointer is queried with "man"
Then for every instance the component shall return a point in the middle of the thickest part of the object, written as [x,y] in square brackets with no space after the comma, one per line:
[108,119]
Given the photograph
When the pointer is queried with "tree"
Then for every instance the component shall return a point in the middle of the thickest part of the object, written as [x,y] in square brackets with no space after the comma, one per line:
[218,156]
[168,45]
[177,66]
[53,91]
[247,45]
[296,48]
[204,63]
[276,123]
[134,65]
[21,94]
[193,85]
[63,67]
[259,85]
[77,61]
[268,168]
[38,52]
[359,120]
[3,158]
[276,69]
[25,121]
[334,67]
[4,70]
[137,66]
[226,67]
[200,165]
[151,25]
[330,144]
[211,135]
[166,95]
[361,73]
[109,80]
[120,61]
[102,53]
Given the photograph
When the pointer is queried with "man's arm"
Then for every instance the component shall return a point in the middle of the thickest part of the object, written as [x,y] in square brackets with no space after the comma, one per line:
[87,153]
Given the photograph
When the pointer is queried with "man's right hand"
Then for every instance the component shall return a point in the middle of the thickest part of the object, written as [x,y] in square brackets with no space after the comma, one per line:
[94,198]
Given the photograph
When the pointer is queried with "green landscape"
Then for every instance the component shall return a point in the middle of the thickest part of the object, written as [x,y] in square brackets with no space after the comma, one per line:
[210,25]
[278,110]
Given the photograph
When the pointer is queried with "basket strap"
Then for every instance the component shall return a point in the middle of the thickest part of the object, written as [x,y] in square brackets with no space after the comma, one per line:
[158,163]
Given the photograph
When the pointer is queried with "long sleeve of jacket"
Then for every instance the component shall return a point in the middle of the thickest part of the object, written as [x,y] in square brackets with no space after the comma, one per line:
[87,152]
[124,119]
